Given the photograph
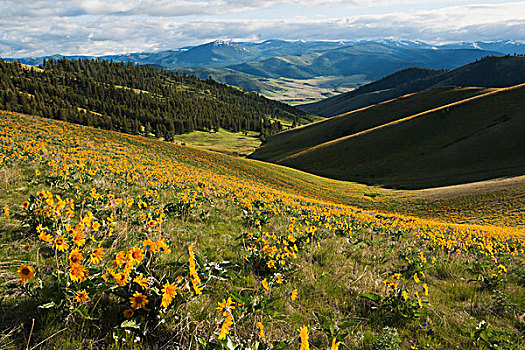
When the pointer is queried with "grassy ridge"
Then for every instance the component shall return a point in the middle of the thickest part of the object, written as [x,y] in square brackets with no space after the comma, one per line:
[293,141]
[228,218]
[470,140]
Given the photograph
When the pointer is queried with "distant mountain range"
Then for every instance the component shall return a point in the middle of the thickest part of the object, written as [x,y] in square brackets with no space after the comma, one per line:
[306,70]
[433,129]
[219,53]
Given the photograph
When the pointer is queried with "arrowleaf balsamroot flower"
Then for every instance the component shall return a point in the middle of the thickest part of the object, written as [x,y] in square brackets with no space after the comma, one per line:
[96,256]
[95,226]
[169,290]
[120,278]
[120,259]
[78,273]
[225,307]
[303,334]
[46,237]
[138,300]
[261,329]
[25,273]
[195,280]
[75,257]
[61,243]
[128,313]
[141,281]
[81,296]
[150,246]
[335,345]
[266,286]
[293,294]
[225,328]
[135,256]
[163,246]
[79,238]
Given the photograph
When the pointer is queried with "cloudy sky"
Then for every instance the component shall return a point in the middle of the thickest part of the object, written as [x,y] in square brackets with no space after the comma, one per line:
[98,27]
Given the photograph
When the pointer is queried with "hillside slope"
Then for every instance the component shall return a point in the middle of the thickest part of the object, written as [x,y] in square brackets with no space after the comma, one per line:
[476,139]
[292,141]
[118,241]
[488,72]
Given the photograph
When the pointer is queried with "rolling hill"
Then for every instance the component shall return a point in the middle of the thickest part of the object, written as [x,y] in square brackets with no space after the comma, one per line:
[473,139]
[293,141]
[488,72]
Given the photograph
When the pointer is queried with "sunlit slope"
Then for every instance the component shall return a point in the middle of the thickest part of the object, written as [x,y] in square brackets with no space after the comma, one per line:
[476,139]
[195,167]
[292,141]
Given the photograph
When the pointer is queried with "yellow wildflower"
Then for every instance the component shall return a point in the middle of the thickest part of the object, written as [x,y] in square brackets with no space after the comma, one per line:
[169,290]
[335,345]
[226,306]
[61,243]
[225,328]
[261,329]
[81,296]
[141,281]
[25,273]
[96,256]
[303,334]
[138,300]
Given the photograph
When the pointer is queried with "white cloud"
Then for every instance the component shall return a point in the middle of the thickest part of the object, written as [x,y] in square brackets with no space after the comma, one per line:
[96,27]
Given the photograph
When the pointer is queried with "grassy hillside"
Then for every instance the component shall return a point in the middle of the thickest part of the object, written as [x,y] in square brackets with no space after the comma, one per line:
[240,144]
[122,242]
[471,140]
[285,144]
[488,72]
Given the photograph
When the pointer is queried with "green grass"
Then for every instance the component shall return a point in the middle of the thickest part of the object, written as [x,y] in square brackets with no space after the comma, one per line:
[287,90]
[222,141]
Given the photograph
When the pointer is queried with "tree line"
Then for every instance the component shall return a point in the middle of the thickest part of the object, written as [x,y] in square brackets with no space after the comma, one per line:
[136,99]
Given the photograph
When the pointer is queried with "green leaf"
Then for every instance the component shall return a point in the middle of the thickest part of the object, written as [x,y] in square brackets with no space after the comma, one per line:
[484,335]
[347,324]
[237,297]
[321,319]
[48,305]
[230,345]
[370,296]
[84,315]
[129,324]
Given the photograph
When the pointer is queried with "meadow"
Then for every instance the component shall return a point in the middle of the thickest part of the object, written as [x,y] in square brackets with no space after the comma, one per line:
[123,242]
